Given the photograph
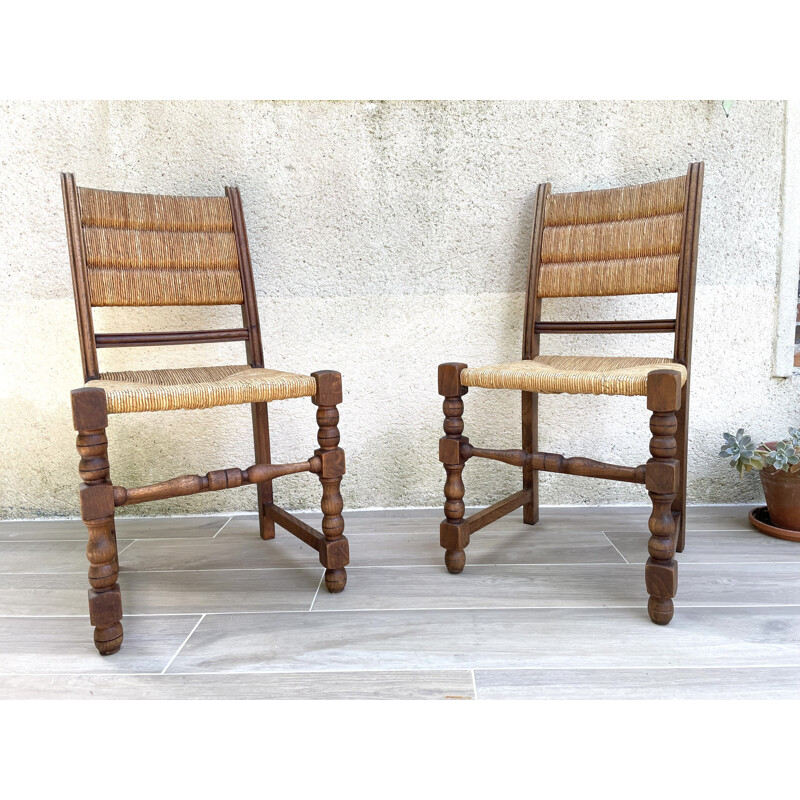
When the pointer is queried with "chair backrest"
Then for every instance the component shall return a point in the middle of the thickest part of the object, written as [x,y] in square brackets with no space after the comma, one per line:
[158,250]
[632,240]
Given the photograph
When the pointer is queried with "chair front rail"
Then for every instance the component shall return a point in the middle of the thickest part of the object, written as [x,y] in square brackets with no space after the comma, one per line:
[211,482]
[553,462]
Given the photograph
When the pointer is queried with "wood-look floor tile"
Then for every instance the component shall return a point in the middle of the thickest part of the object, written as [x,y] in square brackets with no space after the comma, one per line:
[574,585]
[127,528]
[215,591]
[406,685]
[698,518]
[191,592]
[491,638]
[713,546]
[234,552]
[48,557]
[515,546]
[66,645]
[44,595]
[741,683]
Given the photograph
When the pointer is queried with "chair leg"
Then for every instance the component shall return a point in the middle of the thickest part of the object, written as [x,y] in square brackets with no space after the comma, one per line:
[97,511]
[530,444]
[682,437]
[335,556]
[266,526]
[452,536]
[662,481]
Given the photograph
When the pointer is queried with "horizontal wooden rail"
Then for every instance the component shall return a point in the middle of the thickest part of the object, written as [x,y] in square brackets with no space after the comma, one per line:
[170,337]
[297,527]
[499,509]
[609,326]
[211,482]
[552,462]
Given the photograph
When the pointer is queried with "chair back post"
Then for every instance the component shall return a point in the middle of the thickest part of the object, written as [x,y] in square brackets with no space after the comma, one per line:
[533,303]
[687,271]
[80,278]
[255,350]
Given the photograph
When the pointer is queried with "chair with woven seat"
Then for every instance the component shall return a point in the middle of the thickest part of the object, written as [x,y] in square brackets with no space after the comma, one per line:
[633,240]
[151,250]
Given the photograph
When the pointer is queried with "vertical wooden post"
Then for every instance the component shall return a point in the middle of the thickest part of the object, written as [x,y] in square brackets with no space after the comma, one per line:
[662,481]
[97,511]
[530,444]
[266,526]
[451,535]
[530,349]
[682,440]
[336,554]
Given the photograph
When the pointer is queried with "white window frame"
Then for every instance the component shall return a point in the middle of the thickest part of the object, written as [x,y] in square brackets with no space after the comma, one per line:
[789,260]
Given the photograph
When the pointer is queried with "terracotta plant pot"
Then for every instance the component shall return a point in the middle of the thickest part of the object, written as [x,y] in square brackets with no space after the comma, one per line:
[782,492]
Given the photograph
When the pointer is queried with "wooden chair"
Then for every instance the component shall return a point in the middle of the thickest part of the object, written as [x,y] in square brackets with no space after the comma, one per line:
[150,250]
[634,240]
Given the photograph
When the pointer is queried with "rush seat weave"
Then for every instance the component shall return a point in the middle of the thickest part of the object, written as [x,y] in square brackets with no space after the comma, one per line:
[571,375]
[201,387]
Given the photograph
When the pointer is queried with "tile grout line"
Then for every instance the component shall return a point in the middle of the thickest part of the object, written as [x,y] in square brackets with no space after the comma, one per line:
[616,548]
[177,652]
[119,552]
[221,529]
[319,586]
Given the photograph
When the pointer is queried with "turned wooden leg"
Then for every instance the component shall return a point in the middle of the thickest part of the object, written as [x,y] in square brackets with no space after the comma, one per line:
[662,481]
[530,444]
[266,525]
[97,511]
[452,536]
[336,554]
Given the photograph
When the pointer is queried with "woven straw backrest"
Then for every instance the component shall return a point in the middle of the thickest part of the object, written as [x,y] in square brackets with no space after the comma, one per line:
[613,241]
[155,250]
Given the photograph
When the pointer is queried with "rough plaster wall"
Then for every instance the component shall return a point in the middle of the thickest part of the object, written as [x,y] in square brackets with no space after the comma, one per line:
[386,238]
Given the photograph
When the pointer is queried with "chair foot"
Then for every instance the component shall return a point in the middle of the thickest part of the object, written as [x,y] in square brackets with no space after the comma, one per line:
[108,640]
[335,580]
[660,610]
[455,560]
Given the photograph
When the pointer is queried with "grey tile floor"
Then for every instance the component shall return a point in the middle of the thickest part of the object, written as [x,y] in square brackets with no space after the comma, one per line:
[551,611]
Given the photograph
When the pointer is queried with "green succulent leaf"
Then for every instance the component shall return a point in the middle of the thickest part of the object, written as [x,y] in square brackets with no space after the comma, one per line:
[738,448]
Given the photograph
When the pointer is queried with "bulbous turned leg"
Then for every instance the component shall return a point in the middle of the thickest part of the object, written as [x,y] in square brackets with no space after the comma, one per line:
[97,512]
[662,481]
[453,535]
[335,555]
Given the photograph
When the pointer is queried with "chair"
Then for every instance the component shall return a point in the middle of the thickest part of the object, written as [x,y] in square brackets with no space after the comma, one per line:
[633,240]
[151,250]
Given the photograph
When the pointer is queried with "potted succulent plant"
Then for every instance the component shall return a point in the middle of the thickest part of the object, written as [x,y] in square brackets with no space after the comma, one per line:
[778,464]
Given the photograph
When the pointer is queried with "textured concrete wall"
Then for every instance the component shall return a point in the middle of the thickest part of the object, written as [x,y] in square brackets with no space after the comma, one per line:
[386,237]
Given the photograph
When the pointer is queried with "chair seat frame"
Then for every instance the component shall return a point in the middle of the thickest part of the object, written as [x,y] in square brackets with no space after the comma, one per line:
[664,475]
[99,497]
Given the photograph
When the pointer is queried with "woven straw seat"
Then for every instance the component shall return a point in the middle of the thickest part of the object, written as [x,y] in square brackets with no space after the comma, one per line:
[571,375]
[201,387]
